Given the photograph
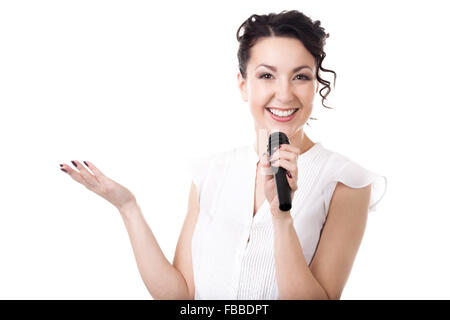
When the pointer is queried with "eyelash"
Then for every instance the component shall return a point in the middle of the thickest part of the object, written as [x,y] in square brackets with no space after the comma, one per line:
[262,76]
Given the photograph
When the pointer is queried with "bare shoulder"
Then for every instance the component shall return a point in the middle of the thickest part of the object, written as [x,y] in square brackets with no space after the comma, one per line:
[183,258]
[341,237]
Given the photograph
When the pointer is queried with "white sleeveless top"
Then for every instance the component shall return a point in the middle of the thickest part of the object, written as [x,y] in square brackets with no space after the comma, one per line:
[225,265]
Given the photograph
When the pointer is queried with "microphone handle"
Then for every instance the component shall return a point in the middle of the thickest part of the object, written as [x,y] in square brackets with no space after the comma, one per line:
[283,189]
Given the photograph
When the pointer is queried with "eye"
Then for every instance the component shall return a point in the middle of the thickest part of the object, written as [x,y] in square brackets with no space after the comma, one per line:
[304,76]
[263,75]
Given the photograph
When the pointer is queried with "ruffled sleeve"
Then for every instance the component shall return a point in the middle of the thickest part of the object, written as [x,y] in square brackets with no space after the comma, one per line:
[355,176]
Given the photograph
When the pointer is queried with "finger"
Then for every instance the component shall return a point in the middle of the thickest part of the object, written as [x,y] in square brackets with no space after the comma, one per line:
[74,174]
[90,179]
[267,171]
[291,169]
[284,154]
[292,166]
[264,160]
[94,169]
[290,148]
[292,181]
[288,165]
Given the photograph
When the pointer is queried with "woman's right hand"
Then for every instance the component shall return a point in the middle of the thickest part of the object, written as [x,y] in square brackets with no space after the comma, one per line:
[113,192]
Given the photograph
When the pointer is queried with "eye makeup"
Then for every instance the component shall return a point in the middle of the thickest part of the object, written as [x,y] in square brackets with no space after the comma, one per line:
[305,77]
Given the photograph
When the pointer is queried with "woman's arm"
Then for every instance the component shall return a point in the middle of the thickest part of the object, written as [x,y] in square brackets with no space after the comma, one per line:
[339,242]
[294,279]
[161,278]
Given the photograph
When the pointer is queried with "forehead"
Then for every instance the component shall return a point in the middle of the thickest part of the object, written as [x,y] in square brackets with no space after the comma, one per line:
[283,52]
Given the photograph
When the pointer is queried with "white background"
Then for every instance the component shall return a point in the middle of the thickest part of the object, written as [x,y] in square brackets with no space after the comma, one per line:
[141,88]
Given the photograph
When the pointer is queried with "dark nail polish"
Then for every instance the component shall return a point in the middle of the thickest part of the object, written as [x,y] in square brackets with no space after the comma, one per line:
[85,163]
[60,165]
[64,170]
[74,163]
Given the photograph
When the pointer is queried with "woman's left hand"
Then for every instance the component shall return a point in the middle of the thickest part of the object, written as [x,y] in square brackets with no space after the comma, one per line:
[286,157]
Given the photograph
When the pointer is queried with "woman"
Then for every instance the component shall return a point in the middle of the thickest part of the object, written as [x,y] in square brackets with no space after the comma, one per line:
[235,243]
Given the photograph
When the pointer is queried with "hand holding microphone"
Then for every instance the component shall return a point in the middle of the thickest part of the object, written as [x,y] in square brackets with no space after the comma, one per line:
[281,184]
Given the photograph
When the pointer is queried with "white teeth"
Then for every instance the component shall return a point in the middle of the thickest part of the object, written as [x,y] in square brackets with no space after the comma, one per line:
[282,113]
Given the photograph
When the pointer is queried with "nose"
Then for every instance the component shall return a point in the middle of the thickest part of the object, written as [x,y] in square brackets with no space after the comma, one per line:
[284,91]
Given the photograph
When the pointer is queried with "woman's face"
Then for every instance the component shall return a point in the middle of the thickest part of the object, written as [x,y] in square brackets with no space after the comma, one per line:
[280,84]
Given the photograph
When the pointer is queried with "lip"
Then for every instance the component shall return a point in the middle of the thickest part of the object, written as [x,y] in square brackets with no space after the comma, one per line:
[281,119]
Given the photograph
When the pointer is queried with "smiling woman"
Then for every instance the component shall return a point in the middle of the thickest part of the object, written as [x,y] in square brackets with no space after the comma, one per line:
[236,243]
[243,246]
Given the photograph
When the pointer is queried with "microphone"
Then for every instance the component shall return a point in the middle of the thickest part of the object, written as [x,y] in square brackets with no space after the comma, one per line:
[283,189]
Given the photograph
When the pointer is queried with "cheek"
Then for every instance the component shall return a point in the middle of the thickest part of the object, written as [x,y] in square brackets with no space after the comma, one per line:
[258,97]
[306,92]
[257,90]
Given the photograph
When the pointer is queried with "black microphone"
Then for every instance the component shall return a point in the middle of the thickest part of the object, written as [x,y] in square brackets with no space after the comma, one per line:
[283,189]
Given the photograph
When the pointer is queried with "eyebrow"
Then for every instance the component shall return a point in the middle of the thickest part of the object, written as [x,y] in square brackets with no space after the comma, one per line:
[275,69]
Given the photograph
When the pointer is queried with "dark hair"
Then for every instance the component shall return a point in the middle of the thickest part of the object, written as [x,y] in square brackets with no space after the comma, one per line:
[292,24]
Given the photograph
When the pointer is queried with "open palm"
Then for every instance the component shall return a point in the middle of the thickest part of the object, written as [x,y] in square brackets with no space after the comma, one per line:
[112,191]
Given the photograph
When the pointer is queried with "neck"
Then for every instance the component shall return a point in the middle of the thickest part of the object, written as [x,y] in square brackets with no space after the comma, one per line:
[299,140]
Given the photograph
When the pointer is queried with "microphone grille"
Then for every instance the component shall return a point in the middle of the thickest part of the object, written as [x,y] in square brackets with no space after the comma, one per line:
[276,139]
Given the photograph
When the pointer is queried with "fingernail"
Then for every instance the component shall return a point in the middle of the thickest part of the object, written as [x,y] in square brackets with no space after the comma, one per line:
[63,170]
[85,163]
[289,174]
[60,165]
[74,163]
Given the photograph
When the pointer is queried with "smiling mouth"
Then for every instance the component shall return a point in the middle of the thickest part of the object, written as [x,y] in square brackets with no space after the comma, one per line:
[283,112]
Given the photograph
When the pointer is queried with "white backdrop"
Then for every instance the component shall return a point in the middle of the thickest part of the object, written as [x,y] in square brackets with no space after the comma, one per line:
[124,84]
